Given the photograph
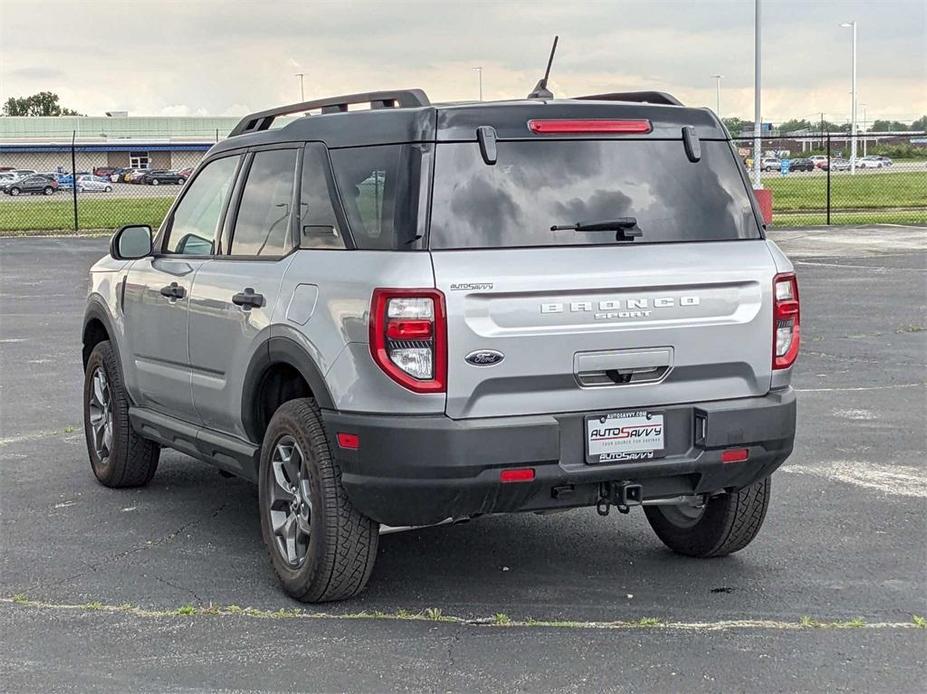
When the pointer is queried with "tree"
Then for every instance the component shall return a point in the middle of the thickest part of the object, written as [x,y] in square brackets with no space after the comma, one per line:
[736,125]
[919,125]
[41,104]
[791,126]
[884,126]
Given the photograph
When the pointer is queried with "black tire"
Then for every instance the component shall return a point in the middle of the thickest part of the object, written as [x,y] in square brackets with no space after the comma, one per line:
[181,181]
[129,460]
[728,523]
[342,543]
[14,191]
[48,190]
[155,181]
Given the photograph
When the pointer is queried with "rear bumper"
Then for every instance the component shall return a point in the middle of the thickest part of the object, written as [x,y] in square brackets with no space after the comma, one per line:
[416,470]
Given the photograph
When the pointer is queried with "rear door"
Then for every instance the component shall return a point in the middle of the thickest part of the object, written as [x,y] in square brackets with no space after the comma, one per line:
[578,321]
[234,296]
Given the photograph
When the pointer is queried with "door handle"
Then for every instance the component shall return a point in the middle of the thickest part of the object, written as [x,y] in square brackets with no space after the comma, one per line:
[173,291]
[247,299]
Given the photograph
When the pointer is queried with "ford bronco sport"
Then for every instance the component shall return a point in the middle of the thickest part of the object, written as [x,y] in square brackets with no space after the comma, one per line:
[414,314]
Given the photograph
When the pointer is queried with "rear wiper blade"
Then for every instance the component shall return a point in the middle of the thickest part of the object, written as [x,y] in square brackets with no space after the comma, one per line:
[626,226]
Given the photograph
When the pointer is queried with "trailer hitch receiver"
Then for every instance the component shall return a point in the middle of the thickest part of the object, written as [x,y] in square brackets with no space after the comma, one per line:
[622,495]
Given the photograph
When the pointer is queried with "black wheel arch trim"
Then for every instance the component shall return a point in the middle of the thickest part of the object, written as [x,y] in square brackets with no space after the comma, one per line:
[96,310]
[279,350]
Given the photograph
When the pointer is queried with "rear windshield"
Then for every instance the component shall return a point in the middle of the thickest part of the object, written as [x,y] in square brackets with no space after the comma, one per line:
[537,185]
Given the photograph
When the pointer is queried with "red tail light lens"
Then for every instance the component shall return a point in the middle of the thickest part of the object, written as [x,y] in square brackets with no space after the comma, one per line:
[786,319]
[735,455]
[570,125]
[408,337]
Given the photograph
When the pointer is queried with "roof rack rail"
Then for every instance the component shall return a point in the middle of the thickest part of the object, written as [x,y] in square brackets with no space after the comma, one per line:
[640,97]
[399,98]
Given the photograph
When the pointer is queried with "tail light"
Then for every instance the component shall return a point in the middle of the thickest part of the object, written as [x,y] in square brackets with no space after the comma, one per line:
[408,337]
[570,125]
[786,318]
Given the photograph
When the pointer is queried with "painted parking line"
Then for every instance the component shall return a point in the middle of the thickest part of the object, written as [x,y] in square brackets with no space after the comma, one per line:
[896,480]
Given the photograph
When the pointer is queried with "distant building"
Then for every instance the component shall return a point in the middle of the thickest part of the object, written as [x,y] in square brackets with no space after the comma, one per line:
[44,144]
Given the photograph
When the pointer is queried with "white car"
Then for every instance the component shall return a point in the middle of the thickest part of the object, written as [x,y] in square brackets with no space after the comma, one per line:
[873,161]
[820,160]
[93,184]
[770,164]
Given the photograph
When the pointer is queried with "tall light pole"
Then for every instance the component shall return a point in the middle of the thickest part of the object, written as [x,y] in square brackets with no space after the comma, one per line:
[302,92]
[479,72]
[852,25]
[757,88]
[718,94]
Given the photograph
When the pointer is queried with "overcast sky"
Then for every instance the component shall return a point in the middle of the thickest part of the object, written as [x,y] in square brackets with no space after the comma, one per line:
[199,57]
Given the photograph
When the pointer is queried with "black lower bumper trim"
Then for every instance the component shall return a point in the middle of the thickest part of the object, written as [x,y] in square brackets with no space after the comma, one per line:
[416,470]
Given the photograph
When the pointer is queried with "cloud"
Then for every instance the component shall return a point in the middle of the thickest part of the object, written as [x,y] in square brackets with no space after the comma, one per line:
[214,57]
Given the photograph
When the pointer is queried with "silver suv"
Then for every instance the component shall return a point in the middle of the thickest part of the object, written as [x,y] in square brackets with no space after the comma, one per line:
[416,314]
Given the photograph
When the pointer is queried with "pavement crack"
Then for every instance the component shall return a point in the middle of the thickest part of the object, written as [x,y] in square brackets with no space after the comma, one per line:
[93,567]
[177,586]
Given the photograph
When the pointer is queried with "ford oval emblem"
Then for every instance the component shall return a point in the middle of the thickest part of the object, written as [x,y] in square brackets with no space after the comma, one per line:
[484,357]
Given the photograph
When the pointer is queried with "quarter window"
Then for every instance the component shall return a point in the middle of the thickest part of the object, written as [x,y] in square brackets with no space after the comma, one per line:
[193,229]
[262,226]
[318,223]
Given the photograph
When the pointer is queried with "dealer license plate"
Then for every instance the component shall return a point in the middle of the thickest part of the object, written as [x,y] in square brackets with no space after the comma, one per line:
[624,436]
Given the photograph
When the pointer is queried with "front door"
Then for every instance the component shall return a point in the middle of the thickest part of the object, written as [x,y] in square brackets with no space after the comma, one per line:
[158,289]
[234,296]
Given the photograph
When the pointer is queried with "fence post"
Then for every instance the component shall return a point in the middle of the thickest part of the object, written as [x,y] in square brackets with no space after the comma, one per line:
[74,177]
[829,166]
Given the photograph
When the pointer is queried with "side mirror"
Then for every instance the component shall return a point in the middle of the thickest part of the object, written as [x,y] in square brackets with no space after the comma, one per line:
[131,242]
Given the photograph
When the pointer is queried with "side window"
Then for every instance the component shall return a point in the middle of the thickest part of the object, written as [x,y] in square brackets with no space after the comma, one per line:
[318,224]
[262,226]
[193,228]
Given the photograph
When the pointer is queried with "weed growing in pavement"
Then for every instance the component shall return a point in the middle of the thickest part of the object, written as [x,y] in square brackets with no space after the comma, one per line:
[919,622]
[501,619]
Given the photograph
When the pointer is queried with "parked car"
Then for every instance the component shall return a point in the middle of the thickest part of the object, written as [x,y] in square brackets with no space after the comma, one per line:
[104,171]
[770,164]
[93,184]
[134,175]
[838,164]
[514,358]
[873,161]
[33,185]
[819,160]
[801,164]
[155,178]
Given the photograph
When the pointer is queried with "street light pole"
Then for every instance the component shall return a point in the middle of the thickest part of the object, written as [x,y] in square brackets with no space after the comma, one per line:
[479,72]
[718,94]
[302,92]
[757,88]
[852,25]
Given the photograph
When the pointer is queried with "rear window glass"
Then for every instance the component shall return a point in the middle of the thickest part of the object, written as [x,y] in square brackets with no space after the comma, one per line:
[537,185]
[378,187]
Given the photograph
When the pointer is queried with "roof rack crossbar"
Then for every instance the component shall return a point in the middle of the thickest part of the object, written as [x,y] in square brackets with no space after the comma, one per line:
[400,98]
[640,97]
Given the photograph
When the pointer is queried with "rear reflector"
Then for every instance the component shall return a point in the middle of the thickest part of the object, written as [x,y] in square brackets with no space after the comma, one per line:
[349,441]
[525,474]
[564,125]
[735,455]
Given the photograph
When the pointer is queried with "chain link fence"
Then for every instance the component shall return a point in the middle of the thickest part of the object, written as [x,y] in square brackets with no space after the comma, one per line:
[812,178]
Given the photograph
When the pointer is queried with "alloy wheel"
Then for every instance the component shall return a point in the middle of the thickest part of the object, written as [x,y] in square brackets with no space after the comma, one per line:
[290,506]
[101,415]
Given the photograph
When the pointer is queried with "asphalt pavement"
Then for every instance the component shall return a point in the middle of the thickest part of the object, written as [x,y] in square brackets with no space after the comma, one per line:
[168,588]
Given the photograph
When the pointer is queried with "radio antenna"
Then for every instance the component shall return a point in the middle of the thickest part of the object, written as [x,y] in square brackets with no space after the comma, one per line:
[540,90]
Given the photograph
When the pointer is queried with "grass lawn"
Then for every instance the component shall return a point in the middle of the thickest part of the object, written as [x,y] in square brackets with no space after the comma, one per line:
[42,214]
[875,216]
[797,192]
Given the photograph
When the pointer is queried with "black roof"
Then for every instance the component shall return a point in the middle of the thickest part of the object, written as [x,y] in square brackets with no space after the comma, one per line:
[407,116]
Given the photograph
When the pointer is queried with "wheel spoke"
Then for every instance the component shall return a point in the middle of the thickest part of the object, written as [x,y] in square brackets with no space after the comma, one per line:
[99,387]
[282,487]
[289,538]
